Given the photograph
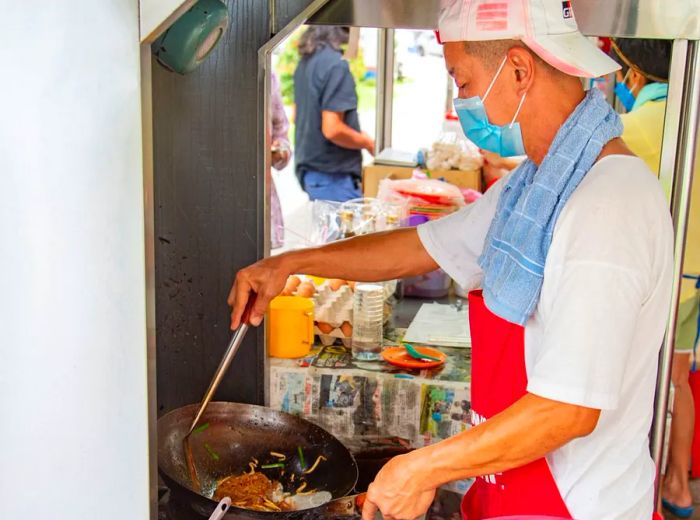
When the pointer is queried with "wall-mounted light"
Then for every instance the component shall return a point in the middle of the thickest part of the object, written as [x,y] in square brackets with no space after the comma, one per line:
[188,41]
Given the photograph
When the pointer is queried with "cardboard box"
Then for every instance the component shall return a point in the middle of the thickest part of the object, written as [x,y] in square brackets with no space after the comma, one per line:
[373,174]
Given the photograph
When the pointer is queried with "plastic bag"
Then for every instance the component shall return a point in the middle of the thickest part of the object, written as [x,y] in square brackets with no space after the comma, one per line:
[448,153]
[420,191]
[325,223]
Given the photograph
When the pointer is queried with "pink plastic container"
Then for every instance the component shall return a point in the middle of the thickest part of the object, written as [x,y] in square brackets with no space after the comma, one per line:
[527,517]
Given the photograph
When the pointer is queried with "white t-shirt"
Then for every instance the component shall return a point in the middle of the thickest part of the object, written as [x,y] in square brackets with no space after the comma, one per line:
[595,336]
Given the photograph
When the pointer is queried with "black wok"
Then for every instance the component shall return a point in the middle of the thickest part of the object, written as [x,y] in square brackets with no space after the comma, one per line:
[236,434]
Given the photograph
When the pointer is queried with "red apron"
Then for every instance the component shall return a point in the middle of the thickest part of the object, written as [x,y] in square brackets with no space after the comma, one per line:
[498,380]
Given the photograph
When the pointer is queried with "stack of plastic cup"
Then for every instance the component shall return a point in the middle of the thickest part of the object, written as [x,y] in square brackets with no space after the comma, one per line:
[368,321]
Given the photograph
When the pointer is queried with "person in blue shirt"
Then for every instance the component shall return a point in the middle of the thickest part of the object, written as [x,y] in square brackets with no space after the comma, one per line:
[328,138]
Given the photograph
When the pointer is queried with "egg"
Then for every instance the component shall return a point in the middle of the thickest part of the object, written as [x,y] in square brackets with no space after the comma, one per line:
[346,329]
[336,284]
[324,327]
[292,284]
[306,289]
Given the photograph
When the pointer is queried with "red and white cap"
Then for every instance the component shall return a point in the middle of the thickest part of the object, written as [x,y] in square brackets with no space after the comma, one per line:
[548,27]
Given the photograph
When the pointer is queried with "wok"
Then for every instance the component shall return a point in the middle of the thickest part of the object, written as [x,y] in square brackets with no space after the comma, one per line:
[236,434]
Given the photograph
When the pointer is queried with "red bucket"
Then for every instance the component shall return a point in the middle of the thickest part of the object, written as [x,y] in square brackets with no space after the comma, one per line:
[694,380]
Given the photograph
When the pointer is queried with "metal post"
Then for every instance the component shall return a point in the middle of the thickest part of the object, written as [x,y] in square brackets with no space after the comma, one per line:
[150,255]
[264,128]
[680,202]
[672,116]
[385,88]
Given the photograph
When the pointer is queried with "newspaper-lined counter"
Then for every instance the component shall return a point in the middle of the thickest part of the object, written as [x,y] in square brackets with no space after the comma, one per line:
[367,404]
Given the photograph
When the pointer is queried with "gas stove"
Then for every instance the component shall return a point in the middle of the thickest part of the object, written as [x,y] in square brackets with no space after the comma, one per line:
[169,508]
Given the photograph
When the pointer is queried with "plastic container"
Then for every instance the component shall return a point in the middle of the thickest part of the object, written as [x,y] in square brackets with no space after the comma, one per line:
[416,220]
[435,284]
[290,326]
[368,322]
[526,517]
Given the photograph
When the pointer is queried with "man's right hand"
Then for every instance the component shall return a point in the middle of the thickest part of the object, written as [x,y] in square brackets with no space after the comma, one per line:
[378,256]
[369,143]
[266,279]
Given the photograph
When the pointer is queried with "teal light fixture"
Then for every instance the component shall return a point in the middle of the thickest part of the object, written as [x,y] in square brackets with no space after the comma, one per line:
[188,41]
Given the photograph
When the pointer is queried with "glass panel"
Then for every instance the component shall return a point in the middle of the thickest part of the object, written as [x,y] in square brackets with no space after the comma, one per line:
[292,226]
[421,86]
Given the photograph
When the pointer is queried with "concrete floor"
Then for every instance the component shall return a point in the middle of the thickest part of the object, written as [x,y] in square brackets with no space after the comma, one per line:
[695,488]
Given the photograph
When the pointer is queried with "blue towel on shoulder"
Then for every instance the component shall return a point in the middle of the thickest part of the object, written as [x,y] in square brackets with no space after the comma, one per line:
[516,246]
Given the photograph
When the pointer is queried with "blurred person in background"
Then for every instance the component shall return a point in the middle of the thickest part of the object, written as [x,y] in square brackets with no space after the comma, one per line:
[328,138]
[642,87]
[281,152]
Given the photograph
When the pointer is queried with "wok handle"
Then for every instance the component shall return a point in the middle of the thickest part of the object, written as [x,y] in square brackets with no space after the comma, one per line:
[233,345]
[221,509]
[349,506]
[245,318]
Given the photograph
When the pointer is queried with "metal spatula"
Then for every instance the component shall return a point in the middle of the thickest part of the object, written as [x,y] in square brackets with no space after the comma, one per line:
[233,346]
[221,509]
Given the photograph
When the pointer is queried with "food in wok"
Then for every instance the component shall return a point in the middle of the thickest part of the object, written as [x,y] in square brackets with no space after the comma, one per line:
[257,491]
[231,436]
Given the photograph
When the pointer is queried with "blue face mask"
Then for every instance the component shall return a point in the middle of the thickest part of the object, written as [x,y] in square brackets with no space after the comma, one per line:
[624,94]
[505,140]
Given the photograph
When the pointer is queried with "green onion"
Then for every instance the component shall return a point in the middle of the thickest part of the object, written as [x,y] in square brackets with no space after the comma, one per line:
[271,466]
[301,457]
[211,452]
[201,428]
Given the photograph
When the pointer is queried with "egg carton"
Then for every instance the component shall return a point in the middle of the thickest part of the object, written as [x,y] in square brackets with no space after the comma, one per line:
[331,337]
[333,307]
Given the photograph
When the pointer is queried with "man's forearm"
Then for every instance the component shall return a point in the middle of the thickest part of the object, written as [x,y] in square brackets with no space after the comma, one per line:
[526,431]
[347,137]
[369,258]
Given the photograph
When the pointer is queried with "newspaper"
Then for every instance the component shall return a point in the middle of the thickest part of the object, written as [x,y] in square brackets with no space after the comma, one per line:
[374,404]
[373,400]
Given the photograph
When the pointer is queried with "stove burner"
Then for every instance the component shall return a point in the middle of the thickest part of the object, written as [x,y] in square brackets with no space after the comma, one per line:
[169,508]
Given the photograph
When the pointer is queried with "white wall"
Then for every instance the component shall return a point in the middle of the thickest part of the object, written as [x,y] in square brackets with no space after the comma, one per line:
[73,407]
[155,15]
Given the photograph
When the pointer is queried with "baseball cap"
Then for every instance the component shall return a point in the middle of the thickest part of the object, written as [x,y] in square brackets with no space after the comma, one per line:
[548,27]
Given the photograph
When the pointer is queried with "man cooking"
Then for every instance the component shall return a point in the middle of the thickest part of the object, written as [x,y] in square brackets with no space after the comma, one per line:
[572,256]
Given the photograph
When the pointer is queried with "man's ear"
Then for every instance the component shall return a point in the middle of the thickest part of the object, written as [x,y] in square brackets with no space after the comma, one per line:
[523,63]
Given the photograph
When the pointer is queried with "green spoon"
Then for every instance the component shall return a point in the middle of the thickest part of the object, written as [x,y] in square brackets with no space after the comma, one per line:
[417,355]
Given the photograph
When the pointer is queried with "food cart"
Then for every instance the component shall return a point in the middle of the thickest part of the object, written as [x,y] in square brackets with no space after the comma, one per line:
[677,21]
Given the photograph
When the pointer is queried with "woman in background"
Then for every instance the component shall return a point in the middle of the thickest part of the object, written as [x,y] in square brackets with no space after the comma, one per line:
[642,87]
[281,153]
[328,138]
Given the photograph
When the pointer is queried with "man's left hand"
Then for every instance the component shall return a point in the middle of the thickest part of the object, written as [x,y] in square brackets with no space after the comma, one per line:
[397,492]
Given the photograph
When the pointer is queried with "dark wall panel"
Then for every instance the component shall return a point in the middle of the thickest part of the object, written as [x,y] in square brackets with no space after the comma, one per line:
[208,218]
[286,10]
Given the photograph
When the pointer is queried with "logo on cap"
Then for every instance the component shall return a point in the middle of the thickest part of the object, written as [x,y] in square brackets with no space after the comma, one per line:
[492,16]
[566,9]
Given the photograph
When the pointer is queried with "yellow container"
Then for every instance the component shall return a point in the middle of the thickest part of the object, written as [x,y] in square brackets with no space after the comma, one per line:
[290,329]
[317,280]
